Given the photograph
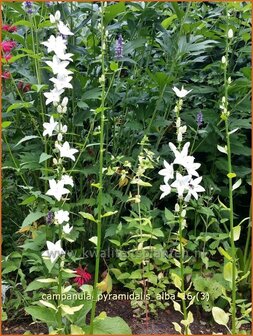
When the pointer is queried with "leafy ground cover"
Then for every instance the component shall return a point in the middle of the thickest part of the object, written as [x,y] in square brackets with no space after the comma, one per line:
[126,167]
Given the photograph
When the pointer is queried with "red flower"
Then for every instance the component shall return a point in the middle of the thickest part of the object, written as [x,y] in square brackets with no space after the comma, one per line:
[9,28]
[83,276]
[6,75]
[24,87]
[7,46]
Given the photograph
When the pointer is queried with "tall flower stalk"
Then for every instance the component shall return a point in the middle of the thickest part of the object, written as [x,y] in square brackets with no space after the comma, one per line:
[100,110]
[227,150]
[59,186]
[186,181]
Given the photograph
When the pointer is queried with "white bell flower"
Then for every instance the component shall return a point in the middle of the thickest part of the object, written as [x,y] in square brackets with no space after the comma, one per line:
[181,93]
[166,189]
[50,127]
[56,189]
[167,172]
[66,151]
[194,188]
[58,66]
[54,251]
[63,29]
[181,184]
[56,44]
[66,179]
[61,216]
[53,96]
[67,229]
[62,82]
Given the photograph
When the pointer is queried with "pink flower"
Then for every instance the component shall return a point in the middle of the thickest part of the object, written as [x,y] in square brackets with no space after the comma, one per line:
[6,75]
[83,276]
[7,46]
[9,28]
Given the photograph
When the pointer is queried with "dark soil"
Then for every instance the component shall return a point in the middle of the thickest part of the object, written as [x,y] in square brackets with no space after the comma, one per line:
[162,324]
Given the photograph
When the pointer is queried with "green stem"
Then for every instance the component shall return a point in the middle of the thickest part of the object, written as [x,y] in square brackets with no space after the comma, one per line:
[101,161]
[181,250]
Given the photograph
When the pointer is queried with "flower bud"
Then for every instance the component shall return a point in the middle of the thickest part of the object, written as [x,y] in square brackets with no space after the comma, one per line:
[59,137]
[223,60]
[183,213]
[178,122]
[229,80]
[177,207]
[65,101]
[230,33]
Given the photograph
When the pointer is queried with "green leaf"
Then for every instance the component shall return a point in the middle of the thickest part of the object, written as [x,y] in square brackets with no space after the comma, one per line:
[43,314]
[94,240]
[177,327]
[112,11]
[109,213]
[23,23]
[227,271]
[26,138]
[114,66]
[44,157]
[18,106]
[9,269]
[34,285]
[75,330]
[237,232]
[70,310]
[224,253]
[220,316]
[111,326]
[231,175]
[48,304]
[167,22]
[4,316]
[237,184]
[28,200]
[6,124]
[32,217]
[88,216]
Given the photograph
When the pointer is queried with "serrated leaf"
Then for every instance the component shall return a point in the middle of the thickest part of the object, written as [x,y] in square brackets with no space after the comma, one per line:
[220,316]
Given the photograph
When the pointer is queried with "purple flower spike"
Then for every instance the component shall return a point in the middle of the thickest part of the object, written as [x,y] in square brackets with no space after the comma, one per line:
[119,47]
[199,119]
[28,4]
[49,3]
[49,217]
